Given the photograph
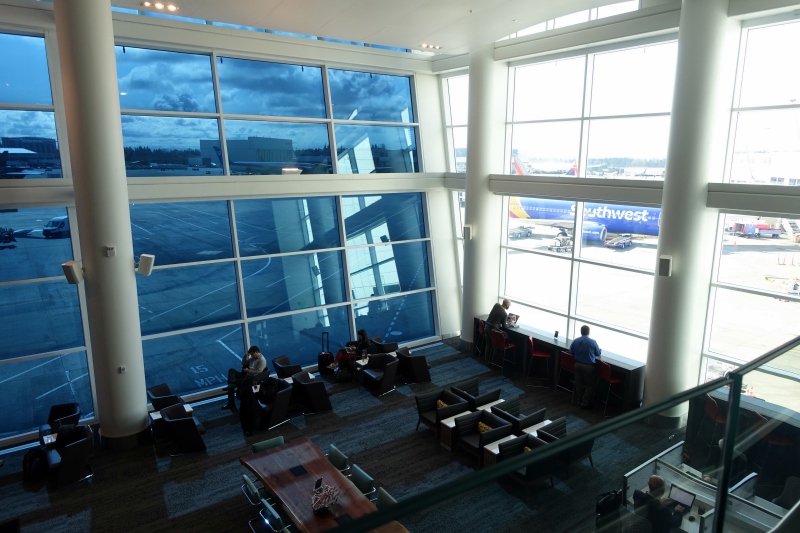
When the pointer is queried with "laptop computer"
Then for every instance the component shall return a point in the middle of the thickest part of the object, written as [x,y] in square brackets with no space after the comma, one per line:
[512,321]
[680,497]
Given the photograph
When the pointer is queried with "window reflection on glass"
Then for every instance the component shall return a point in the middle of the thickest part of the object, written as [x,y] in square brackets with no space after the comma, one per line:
[546,323]
[25,252]
[766,148]
[194,362]
[299,335]
[187,297]
[39,317]
[171,146]
[401,319]
[614,342]
[761,253]
[385,218]
[164,81]
[746,326]
[632,148]
[616,92]
[181,232]
[288,283]
[28,145]
[538,279]
[379,270]
[617,297]
[376,149]
[41,383]
[367,96]
[549,90]
[770,75]
[546,148]
[458,96]
[272,147]
[457,139]
[621,234]
[540,224]
[716,369]
[282,225]
[24,78]
[262,88]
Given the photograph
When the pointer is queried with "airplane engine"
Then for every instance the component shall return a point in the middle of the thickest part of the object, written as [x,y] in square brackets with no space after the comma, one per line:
[593,232]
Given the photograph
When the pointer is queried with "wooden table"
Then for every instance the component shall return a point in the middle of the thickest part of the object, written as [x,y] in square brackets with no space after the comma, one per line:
[446,438]
[274,467]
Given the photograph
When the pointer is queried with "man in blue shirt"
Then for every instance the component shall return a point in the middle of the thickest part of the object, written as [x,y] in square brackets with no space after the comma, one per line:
[586,352]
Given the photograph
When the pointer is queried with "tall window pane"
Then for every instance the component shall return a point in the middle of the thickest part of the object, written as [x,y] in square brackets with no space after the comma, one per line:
[187,297]
[275,89]
[24,78]
[770,75]
[25,252]
[458,97]
[614,342]
[368,96]
[164,81]
[385,218]
[288,283]
[299,335]
[400,319]
[379,270]
[33,386]
[28,145]
[541,224]
[617,297]
[271,147]
[171,146]
[181,232]
[633,148]
[549,90]
[649,91]
[546,148]
[766,148]
[39,317]
[283,225]
[193,362]
[457,141]
[538,279]
[376,149]
[621,234]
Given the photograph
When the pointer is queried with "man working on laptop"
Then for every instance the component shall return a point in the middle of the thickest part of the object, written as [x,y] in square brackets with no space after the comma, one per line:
[653,506]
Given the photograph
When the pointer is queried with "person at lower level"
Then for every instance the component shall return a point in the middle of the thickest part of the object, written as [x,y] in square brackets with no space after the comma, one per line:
[586,353]
[356,349]
[252,363]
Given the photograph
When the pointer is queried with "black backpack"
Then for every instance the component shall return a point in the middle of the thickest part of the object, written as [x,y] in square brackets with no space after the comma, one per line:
[34,465]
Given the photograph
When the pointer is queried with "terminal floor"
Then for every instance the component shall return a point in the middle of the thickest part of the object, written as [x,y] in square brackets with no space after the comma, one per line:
[146,490]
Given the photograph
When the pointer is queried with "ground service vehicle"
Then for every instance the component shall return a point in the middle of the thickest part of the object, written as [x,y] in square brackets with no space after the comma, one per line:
[57,227]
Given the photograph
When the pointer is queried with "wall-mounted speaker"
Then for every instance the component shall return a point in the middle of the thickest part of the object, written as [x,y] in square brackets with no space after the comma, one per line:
[468,232]
[73,271]
[665,266]
[146,262]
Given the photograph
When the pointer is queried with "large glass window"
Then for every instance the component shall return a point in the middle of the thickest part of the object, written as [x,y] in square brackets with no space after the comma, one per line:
[25,251]
[401,319]
[24,78]
[456,106]
[379,270]
[549,90]
[376,149]
[275,89]
[386,218]
[369,96]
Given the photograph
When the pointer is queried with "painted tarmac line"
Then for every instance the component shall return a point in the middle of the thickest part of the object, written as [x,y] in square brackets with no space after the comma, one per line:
[32,368]
[62,386]
[238,358]
[211,313]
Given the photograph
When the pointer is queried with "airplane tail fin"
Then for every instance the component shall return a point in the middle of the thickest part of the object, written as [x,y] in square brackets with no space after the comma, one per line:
[515,209]
[518,170]
[574,170]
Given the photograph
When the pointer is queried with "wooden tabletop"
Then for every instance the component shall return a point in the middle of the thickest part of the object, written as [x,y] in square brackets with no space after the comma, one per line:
[274,467]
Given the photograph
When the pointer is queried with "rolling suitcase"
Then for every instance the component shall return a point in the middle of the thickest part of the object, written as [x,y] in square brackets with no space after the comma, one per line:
[325,357]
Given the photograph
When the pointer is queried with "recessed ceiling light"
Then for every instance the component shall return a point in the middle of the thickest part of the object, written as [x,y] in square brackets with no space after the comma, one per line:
[171,8]
[146,4]
[159,5]
[122,94]
[423,45]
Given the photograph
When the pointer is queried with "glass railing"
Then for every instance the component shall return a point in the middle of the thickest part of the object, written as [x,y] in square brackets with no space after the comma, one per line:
[647,472]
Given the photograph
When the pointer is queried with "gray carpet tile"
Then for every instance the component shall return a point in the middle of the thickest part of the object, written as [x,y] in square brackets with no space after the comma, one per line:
[65,523]
[456,371]
[369,432]
[353,401]
[435,352]
[215,485]
[507,388]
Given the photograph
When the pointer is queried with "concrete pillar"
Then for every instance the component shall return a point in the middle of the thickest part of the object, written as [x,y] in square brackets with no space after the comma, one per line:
[488,83]
[91,97]
[704,81]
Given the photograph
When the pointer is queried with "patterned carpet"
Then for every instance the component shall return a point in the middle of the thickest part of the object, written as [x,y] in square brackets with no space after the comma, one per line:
[146,490]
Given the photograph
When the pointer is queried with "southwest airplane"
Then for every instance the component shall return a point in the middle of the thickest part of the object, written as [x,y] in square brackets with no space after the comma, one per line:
[598,219]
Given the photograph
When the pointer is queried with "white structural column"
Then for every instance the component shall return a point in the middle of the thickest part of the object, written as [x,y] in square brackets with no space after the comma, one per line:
[706,70]
[487,99]
[91,97]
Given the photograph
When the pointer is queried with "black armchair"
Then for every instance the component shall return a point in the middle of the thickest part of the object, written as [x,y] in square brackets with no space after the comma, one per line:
[532,473]
[275,411]
[160,397]
[382,347]
[379,373]
[557,428]
[68,458]
[413,368]
[311,393]
[184,429]
[573,454]
[472,439]
[285,369]
[509,410]
[65,413]
[469,391]
[431,414]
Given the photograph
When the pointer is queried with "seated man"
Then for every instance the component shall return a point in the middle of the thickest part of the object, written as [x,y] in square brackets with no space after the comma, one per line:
[252,363]
[652,506]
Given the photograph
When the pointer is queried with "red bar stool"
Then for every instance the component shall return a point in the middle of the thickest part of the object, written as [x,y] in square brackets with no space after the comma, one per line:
[499,343]
[711,412]
[480,346]
[539,355]
[769,433]
[566,363]
[604,374]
